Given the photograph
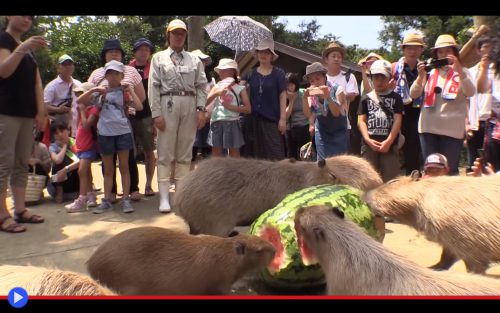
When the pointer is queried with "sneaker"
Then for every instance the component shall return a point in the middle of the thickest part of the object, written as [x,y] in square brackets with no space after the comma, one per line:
[79,205]
[92,201]
[127,205]
[103,207]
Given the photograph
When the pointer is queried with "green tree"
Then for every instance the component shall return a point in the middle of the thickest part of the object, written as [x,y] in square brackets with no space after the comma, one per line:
[430,26]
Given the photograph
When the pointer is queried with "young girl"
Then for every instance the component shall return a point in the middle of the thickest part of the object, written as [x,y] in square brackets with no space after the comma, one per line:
[114,131]
[322,105]
[86,148]
[231,99]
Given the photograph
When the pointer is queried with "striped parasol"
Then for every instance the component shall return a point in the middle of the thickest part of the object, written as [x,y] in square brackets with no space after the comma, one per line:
[240,33]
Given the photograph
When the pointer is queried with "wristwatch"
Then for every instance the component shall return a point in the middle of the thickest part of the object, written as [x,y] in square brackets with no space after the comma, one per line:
[201,109]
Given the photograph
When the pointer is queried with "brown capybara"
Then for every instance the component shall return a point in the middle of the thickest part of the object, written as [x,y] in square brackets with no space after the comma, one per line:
[356,264]
[39,281]
[460,213]
[225,192]
[158,261]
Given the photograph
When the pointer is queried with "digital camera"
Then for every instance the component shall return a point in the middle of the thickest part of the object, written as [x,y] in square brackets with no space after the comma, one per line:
[435,63]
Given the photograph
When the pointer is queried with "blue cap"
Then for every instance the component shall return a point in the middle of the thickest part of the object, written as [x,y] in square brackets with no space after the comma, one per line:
[143,42]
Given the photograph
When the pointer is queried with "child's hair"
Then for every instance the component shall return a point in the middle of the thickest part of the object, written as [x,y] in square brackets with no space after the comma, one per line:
[293,78]
[58,125]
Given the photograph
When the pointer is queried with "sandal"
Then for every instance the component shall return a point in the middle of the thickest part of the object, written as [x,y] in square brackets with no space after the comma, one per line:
[148,191]
[12,227]
[135,196]
[33,219]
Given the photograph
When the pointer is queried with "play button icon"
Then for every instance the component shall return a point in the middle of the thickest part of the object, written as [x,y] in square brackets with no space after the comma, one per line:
[18,297]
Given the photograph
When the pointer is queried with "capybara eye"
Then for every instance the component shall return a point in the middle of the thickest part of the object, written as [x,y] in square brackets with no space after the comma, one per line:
[318,233]
[240,248]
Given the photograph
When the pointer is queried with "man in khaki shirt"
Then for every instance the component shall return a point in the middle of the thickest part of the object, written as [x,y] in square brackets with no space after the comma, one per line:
[177,95]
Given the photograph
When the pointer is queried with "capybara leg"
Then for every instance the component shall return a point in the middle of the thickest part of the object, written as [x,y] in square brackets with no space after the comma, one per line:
[380,227]
[476,267]
[447,260]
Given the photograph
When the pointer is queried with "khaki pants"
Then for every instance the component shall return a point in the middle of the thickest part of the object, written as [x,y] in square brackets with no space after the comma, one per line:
[175,143]
[16,144]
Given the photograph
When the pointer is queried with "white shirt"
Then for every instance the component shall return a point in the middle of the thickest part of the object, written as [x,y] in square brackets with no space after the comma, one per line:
[350,87]
[478,108]
[55,92]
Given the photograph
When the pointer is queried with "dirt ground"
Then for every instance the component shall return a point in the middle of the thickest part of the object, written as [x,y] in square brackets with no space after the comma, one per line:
[66,241]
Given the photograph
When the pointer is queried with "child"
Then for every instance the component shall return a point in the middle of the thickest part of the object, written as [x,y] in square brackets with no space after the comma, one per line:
[379,121]
[231,99]
[114,131]
[65,180]
[86,149]
[322,105]
[40,158]
[435,165]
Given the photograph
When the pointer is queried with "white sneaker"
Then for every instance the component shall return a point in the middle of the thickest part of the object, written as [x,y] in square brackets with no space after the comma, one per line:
[79,205]
[92,201]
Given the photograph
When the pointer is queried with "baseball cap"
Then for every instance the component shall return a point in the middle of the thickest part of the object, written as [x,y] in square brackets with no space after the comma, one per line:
[436,160]
[381,67]
[143,42]
[63,58]
[114,65]
[176,24]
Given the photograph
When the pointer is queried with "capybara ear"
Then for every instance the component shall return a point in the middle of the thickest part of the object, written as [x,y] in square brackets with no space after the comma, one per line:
[321,163]
[292,160]
[234,233]
[338,212]
[240,247]
[415,175]
[319,234]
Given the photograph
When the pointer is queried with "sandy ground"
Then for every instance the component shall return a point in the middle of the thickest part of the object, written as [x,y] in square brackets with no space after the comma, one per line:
[66,241]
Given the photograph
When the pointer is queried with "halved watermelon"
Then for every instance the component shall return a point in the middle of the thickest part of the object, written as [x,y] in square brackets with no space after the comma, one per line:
[277,226]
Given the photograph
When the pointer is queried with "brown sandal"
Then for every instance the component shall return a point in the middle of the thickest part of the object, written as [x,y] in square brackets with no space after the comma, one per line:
[33,219]
[12,227]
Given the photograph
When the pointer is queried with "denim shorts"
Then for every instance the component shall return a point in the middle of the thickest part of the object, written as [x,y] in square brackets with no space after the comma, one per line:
[110,145]
[87,155]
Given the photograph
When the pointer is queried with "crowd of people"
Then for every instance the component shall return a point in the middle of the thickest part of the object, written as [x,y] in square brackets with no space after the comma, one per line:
[166,101]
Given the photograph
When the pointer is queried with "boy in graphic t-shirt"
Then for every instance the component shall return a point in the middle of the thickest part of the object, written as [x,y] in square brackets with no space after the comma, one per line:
[379,121]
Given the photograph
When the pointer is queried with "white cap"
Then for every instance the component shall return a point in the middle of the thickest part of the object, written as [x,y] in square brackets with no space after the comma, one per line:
[381,67]
[114,65]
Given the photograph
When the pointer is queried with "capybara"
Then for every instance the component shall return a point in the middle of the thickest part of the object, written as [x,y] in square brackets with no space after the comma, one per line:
[356,264]
[460,213]
[39,281]
[158,261]
[225,192]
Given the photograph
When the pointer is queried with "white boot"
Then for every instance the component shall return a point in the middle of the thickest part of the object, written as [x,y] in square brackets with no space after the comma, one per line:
[164,187]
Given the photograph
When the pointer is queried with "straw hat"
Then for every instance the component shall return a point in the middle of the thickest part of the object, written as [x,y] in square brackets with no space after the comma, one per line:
[445,41]
[334,47]
[413,39]
[371,55]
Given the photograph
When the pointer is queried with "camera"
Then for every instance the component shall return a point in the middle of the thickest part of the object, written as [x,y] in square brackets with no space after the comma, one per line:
[435,63]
